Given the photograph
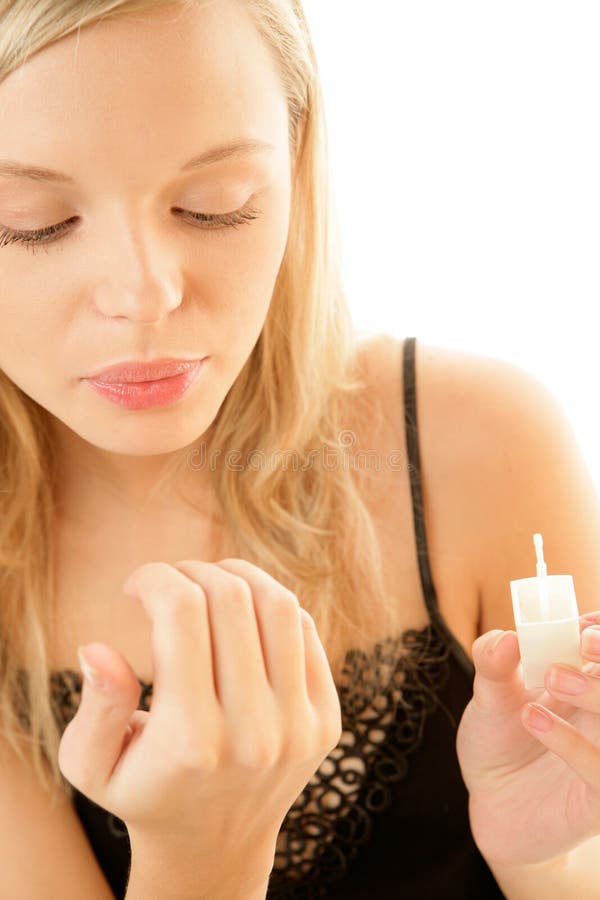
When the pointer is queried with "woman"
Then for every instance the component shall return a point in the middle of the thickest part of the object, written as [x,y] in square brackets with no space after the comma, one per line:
[192,530]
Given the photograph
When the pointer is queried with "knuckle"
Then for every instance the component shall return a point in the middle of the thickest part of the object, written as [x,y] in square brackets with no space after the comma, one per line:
[276,597]
[231,560]
[256,755]
[284,605]
[307,619]
[150,572]
[110,706]
[196,752]
[335,731]
[65,758]
[290,597]
[161,578]
[302,742]
[255,743]
[179,599]
[202,744]
[332,725]
[197,759]
[287,593]
[237,590]
[314,734]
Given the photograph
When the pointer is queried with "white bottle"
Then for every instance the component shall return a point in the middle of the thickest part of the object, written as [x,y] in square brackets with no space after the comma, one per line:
[547,621]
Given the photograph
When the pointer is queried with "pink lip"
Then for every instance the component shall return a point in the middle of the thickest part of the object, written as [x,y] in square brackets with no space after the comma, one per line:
[136,371]
[152,393]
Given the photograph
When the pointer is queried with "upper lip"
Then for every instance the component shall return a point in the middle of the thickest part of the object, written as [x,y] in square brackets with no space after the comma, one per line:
[144,370]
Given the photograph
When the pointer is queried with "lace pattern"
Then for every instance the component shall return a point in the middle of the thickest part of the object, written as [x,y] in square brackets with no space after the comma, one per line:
[386,696]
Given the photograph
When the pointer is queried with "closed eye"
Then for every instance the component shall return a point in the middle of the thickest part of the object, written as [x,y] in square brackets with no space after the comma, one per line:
[52,233]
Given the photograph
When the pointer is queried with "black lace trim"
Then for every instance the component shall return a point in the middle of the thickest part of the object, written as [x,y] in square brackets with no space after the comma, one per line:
[385,696]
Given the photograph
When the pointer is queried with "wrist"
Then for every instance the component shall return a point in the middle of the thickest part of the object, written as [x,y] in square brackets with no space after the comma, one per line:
[532,881]
[163,870]
[140,887]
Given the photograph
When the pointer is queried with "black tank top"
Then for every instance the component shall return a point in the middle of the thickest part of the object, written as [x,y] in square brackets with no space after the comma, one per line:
[387,811]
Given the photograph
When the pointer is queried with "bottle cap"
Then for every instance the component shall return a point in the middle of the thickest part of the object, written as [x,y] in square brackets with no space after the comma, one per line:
[547,621]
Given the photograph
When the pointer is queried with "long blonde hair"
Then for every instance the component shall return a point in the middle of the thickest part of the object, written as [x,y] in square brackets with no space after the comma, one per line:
[310,528]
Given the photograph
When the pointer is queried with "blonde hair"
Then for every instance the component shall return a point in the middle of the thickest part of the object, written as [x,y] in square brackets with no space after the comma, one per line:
[310,528]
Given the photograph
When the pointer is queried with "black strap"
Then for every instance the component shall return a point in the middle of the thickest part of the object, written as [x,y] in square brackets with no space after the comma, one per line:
[414,470]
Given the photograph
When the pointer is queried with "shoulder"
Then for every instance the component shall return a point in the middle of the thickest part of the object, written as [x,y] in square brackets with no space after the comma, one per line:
[499,462]
[502,462]
[378,359]
[465,402]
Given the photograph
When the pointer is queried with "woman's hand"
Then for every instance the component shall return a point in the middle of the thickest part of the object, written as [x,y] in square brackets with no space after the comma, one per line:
[533,794]
[244,710]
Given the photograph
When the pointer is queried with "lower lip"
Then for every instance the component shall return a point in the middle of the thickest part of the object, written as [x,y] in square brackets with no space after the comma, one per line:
[149,394]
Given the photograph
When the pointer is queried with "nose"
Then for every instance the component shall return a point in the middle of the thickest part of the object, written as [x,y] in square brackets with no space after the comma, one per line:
[145,306]
[140,276]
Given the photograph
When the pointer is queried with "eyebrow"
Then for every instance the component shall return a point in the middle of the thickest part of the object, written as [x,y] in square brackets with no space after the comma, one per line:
[236,150]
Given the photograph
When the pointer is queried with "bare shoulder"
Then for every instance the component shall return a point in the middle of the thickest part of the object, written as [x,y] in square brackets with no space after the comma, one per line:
[380,412]
[445,380]
[376,418]
[499,461]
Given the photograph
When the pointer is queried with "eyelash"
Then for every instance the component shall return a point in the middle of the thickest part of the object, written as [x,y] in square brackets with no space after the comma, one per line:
[40,236]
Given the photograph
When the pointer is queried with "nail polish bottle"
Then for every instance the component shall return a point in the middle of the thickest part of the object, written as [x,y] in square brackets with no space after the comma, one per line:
[546,619]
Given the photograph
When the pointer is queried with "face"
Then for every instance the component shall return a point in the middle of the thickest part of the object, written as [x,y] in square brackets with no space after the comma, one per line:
[145,261]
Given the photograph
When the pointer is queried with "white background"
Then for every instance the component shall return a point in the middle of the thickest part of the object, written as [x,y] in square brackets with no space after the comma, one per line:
[465,156]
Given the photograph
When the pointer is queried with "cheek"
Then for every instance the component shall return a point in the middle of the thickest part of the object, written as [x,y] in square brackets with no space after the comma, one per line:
[35,335]
[241,316]
[241,292]
[29,331]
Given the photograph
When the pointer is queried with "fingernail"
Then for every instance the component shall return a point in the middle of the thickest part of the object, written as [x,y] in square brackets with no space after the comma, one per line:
[590,639]
[537,718]
[497,641]
[567,682]
[591,617]
[91,675]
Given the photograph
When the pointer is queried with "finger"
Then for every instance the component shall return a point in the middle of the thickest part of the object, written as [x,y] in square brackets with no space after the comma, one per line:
[321,687]
[237,650]
[589,628]
[183,676]
[302,665]
[574,686]
[498,687]
[280,627]
[580,686]
[587,619]
[95,737]
[578,752]
[590,642]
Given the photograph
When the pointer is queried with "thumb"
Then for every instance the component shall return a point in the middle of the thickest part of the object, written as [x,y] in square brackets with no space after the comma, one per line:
[95,737]
[498,686]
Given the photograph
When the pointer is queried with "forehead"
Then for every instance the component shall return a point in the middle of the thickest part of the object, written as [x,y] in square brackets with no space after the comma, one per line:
[157,84]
